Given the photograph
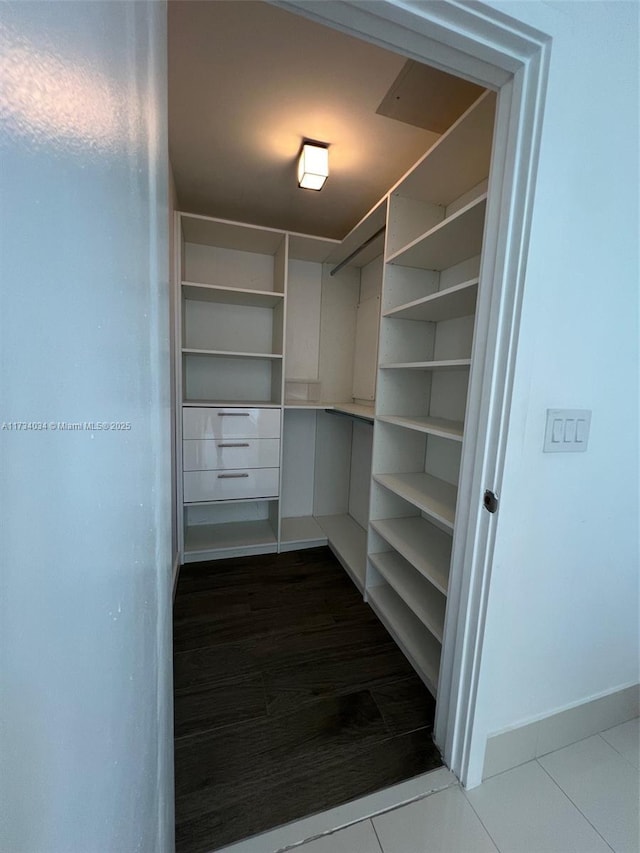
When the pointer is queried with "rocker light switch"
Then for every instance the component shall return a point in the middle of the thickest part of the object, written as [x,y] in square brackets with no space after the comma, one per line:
[567,430]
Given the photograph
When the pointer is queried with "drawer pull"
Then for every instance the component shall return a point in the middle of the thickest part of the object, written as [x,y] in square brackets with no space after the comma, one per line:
[237,444]
[234,414]
[231,476]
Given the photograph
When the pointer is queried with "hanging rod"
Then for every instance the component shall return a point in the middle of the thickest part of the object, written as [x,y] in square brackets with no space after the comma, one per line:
[358,250]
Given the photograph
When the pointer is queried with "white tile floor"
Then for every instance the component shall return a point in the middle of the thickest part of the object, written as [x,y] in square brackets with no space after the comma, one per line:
[584,798]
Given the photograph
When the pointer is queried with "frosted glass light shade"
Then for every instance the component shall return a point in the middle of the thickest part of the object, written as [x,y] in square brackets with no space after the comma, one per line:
[313,167]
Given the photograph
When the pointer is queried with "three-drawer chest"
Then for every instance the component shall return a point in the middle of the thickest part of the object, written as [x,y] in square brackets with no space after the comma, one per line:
[230,453]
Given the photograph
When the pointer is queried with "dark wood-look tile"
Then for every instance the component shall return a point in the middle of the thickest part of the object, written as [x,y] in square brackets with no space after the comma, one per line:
[330,672]
[210,603]
[196,633]
[306,788]
[222,703]
[405,705]
[273,747]
[336,692]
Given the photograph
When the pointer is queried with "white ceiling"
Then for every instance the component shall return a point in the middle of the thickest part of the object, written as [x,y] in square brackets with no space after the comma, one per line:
[249,81]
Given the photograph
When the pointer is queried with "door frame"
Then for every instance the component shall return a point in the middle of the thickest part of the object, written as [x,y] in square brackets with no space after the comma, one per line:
[487,47]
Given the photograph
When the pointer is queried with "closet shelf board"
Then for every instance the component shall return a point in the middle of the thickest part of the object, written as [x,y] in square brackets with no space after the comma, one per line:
[356,409]
[303,529]
[457,161]
[349,543]
[229,501]
[226,234]
[433,496]
[231,295]
[424,600]
[458,301]
[455,239]
[254,404]
[450,364]
[230,354]
[418,644]
[201,538]
[432,426]
[427,548]
[306,247]
[305,404]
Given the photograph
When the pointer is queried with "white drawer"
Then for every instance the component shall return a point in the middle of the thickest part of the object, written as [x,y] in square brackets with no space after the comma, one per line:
[216,454]
[230,422]
[230,485]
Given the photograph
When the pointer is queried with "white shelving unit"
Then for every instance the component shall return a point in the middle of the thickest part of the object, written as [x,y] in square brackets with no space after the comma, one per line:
[456,301]
[430,289]
[427,603]
[431,426]
[419,645]
[353,357]
[231,310]
[425,547]
[435,497]
[449,364]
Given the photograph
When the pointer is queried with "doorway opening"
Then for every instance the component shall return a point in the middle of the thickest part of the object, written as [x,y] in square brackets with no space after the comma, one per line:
[358,373]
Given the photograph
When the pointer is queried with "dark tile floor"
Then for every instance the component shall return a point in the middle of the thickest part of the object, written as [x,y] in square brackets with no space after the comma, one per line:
[290,697]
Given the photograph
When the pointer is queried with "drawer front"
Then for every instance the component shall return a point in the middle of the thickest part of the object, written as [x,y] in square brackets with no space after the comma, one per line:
[219,454]
[230,485]
[230,422]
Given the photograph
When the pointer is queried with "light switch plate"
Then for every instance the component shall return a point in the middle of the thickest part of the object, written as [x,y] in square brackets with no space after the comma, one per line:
[567,430]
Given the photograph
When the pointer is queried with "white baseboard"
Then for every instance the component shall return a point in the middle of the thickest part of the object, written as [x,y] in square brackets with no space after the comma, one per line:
[515,746]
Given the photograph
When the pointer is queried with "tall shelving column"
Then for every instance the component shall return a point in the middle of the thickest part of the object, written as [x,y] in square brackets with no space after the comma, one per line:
[330,371]
[231,310]
[435,226]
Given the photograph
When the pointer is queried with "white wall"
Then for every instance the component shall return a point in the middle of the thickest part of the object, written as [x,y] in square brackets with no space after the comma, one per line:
[562,622]
[85,597]
[173,207]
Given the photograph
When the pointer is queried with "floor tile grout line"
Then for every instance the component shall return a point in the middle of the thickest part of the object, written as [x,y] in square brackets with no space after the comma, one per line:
[615,749]
[482,823]
[575,805]
[375,832]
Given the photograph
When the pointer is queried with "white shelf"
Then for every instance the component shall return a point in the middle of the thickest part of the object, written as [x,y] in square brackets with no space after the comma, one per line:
[231,295]
[421,544]
[432,426]
[303,529]
[305,247]
[228,354]
[202,539]
[425,601]
[433,496]
[458,301]
[261,404]
[455,239]
[357,410]
[226,234]
[459,159]
[418,644]
[349,542]
[451,364]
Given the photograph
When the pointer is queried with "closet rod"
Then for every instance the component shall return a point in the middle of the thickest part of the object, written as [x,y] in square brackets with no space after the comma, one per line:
[350,415]
[358,250]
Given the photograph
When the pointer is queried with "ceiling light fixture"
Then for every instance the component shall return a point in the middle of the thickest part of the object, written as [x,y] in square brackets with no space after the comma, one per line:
[313,166]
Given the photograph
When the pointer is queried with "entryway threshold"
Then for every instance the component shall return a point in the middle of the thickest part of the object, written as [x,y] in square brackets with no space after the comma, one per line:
[291,835]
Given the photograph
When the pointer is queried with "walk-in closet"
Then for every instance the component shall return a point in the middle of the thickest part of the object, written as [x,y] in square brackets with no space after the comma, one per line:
[321,385]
